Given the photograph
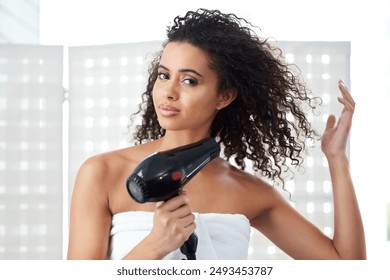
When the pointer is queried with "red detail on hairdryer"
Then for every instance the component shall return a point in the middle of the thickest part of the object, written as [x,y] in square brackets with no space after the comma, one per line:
[176,175]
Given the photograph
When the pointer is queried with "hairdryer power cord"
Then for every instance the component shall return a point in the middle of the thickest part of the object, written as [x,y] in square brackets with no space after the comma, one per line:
[189,247]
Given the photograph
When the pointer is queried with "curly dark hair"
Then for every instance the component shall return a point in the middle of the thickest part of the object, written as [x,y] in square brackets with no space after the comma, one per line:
[266,122]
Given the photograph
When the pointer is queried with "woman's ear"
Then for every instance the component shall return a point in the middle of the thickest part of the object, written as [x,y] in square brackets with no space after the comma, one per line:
[226,97]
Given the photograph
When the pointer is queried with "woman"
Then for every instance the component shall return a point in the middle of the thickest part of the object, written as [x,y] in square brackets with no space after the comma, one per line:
[216,78]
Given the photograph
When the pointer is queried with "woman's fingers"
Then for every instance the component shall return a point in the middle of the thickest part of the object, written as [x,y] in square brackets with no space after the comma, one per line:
[346,99]
[173,222]
[337,131]
[330,123]
[175,210]
[174,202]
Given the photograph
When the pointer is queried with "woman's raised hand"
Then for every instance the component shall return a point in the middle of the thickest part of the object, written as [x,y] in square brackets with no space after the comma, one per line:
[335,136]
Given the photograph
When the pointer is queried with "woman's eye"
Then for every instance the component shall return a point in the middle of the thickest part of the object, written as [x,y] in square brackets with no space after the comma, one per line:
[163,76]
[190,81]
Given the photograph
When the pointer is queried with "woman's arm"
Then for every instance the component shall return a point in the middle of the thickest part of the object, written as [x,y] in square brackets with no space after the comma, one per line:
[90,218]
[348,239]
[289,230]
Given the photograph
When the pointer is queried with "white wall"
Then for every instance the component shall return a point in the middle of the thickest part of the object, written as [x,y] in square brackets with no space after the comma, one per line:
[19,21]
[85,22]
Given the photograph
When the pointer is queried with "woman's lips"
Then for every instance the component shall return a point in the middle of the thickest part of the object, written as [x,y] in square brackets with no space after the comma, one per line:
[168,110]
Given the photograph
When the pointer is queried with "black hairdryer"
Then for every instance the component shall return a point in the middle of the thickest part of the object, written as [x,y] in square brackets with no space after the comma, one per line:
[162,176]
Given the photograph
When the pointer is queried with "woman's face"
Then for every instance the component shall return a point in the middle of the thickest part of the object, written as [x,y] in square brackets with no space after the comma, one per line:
[185,94]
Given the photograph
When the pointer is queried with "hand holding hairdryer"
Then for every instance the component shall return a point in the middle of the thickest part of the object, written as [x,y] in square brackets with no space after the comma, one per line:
[163,175]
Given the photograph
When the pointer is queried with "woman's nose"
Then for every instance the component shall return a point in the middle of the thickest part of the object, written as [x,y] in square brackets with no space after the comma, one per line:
[171,91]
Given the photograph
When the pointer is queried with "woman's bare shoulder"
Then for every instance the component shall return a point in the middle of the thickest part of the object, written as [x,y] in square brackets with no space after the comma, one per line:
[248,192]
[102,164]
[109,161]
[246,180]
[261,195]
[106,168]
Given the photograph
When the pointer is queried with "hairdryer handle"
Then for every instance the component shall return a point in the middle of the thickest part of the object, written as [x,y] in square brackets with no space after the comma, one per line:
[189,247]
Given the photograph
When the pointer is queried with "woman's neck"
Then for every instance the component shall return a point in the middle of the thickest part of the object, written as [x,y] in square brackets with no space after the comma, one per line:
[175,139]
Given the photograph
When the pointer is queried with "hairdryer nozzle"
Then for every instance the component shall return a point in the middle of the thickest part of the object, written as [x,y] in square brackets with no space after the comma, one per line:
[137,188]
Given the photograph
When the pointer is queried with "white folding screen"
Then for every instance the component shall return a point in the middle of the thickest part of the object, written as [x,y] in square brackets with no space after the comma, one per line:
[105,85]
[31,97]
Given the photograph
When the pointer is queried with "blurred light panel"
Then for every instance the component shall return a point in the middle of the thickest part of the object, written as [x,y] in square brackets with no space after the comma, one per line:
[105,85]
[31,96]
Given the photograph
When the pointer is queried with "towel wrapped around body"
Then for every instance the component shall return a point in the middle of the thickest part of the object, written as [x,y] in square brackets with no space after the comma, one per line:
[220,236]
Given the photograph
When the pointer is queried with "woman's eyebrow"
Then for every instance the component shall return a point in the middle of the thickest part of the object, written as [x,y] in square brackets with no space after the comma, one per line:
[182,70]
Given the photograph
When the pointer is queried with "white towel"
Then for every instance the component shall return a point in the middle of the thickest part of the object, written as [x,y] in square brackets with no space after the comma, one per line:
[220,236]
